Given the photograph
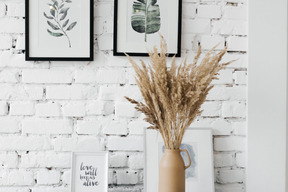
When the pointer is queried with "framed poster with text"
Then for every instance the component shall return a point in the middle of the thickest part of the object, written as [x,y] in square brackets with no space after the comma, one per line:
[89,172]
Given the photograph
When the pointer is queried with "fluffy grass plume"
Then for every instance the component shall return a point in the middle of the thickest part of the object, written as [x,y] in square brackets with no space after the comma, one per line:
[173,96]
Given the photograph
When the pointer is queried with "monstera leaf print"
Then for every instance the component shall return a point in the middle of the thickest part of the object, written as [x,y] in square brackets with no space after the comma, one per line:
[146,17]
[57,19]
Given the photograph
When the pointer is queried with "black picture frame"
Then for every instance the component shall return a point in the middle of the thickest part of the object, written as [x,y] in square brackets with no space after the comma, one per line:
[122,53]
[45,58]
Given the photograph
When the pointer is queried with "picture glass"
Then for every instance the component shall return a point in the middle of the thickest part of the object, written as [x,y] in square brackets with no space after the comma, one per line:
[59,28]
[90,172]
[139,24]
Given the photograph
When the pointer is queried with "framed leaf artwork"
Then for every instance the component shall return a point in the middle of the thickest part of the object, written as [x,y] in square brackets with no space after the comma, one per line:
[138,23]
[59,30]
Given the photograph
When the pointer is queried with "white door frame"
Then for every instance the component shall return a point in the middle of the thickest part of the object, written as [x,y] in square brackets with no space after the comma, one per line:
[267,96]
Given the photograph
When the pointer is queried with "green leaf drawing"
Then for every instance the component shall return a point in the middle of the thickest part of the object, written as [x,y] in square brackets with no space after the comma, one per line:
[64,11]
[48,17]
[71,26]
[146,17]
[58,13]
[61,6]
[55,27]
[52,11]
[55,34]
[56,4]
[65,23]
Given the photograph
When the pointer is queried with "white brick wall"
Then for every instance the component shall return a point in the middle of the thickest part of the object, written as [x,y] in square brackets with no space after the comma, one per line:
[48,109]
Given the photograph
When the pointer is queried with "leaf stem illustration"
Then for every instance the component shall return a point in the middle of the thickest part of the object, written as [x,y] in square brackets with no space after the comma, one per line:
[57,21]
[145,17]
[58,13]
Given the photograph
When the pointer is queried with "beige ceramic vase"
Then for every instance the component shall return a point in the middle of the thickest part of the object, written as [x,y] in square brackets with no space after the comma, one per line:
[172,171]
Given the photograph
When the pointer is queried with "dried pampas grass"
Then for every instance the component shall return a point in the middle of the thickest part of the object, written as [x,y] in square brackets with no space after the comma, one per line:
[173,96]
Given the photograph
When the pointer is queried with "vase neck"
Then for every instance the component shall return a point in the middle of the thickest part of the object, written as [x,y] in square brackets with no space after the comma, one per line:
[172,151]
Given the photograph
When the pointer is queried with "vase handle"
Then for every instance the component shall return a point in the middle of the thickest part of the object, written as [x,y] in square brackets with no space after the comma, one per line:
[186,167]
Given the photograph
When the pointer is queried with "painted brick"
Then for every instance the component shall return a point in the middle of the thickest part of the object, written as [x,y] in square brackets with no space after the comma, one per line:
[15,9]
[66,177]
[22,108]
[136,161]
[237,93]
[232,12]
[20,43]
[225,77]
[3,108]
[105,42]
[83,143]
[100,108]
[45,159]
[233,109]
[137,127]
[88,127]
[9,76]
[46,76]
[86,76]
[46,177]
[117,127]
[230,27]
[230,176]
[131,143]
[2,9]
[103,9]
[230,187]
[230,144]
[44,126]
[111,76]
[209,11]
[189,11]
[240,77]
[198,26]
[6,42]
[127,177]
[14,189]
[12,25]
[221,127]
[16,177]
[240,60]
[211,109]
[240,128]
[74,109]
[208,42]
[9,125]
[240,160]
[99,25]
[8,160]
[74,92]
[125,110]
[223,160]
[118,160]
[49,109]
[51,189]
[237,43]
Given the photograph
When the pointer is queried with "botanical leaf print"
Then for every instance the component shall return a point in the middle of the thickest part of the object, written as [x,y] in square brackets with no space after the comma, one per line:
[56,20]
[71,26]
[55,34]
[146,17]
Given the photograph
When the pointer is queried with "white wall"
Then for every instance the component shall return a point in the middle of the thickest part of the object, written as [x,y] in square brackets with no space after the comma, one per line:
[48,109]
[267,96]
